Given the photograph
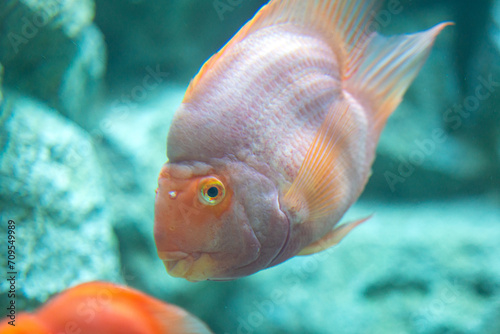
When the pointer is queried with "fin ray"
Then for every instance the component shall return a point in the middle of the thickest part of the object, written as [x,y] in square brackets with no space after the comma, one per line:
[332,238]
[343,22]
[382,69]
[319,183]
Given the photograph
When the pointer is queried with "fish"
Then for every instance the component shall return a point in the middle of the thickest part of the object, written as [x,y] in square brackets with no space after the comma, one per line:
[275,137]
[104,308]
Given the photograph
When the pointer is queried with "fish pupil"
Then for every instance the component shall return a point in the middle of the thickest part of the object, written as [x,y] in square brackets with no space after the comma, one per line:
[212,192]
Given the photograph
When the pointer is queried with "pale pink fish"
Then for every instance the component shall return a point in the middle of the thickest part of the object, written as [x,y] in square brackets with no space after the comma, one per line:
[276,135]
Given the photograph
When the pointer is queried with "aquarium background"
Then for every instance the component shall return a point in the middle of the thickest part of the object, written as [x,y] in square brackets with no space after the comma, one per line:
[88,90]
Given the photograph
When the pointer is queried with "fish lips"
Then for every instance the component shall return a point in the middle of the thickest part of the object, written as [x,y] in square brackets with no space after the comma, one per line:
[194,267]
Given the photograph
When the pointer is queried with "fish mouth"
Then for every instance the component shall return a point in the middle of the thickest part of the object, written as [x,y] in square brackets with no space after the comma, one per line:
[177,263]
[172,255]
[194,267]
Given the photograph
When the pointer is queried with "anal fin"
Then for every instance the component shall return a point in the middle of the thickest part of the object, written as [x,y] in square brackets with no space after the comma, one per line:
[332,238]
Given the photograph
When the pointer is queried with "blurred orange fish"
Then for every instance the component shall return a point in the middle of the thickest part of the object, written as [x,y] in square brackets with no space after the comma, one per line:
[105,308]
[276,136]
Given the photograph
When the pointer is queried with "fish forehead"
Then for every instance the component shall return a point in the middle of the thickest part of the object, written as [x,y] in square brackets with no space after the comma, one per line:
[262,102]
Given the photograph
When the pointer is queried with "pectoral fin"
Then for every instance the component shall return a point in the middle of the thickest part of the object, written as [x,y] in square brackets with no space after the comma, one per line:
[327,170]
[331,238]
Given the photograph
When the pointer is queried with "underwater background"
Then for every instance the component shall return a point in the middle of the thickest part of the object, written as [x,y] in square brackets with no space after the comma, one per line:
[88,90]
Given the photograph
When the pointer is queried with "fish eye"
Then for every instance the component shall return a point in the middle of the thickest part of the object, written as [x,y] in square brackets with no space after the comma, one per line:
[212,191]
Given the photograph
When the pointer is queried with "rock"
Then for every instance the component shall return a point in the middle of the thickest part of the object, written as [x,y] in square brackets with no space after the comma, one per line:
[82,82]
[430,268]
[52,188]
[52,51]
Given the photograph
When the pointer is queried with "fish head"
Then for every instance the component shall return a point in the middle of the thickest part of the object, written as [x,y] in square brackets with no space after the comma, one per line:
[216,224]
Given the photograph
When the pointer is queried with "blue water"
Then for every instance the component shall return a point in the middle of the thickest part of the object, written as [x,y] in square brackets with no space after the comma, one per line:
[88,91]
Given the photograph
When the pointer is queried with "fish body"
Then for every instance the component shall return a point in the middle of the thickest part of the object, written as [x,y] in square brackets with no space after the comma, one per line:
[105,308]
[281,127]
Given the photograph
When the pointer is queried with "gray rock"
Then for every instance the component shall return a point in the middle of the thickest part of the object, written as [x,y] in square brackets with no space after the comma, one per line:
[52,188]
[82,84]
[51,50]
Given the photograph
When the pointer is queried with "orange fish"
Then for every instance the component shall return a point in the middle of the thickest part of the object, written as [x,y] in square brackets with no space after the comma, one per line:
[276,136]
[105,308]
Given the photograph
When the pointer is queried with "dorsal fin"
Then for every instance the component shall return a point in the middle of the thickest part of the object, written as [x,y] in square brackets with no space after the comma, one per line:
[375,70]
[343,22]
[381,69]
